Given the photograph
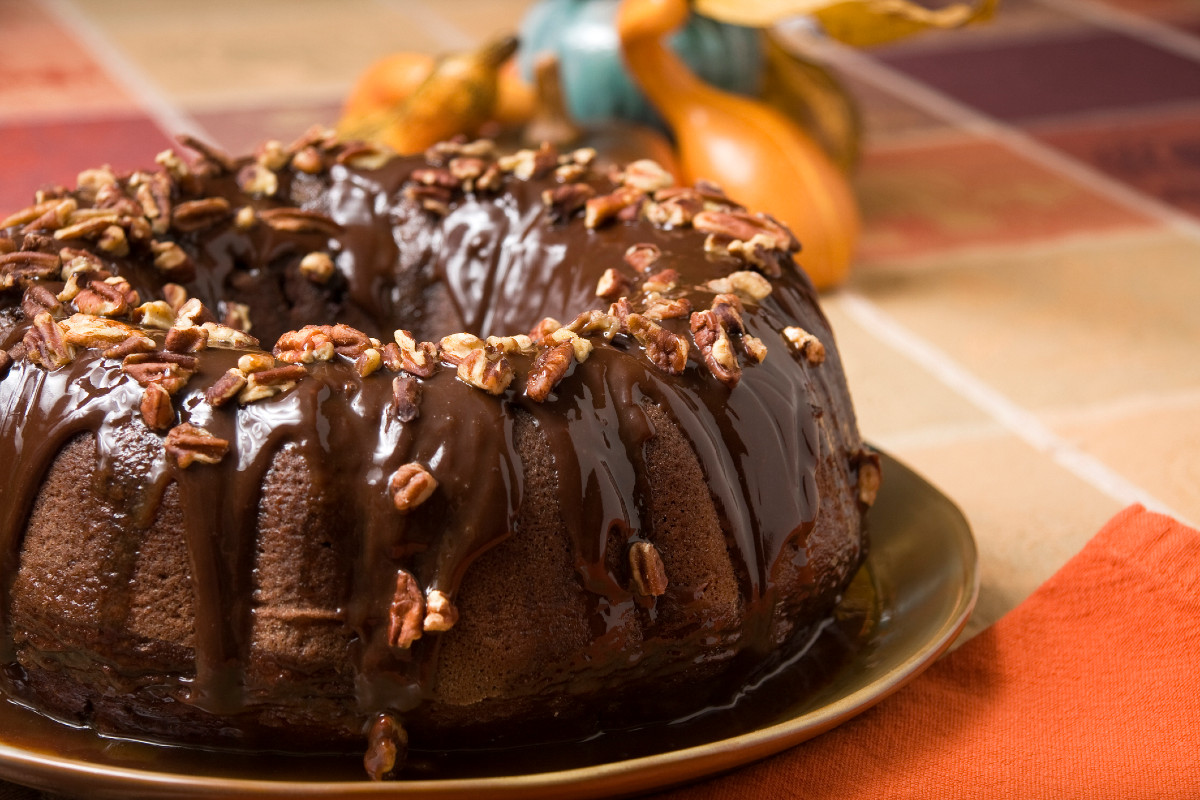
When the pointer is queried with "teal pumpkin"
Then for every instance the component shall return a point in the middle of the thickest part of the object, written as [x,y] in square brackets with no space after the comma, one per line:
[582,34]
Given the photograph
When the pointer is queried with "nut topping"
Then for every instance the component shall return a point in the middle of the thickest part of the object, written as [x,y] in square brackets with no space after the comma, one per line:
[156,408]
[406,398]
[647,175]
[46,343]
[317,267]
[102,299]
[416,358]
[198,215]
[227,387]
[743,283]
[387,747]
[297,220]
[806,344]
[642,256]
[440,613]
[407,613]
[716,350]
[550,366]
[188,444]
[454,348]
[666,350]
[411,485]
[483,370]
[191,339]
[648,577]
[613,284]
[85,330]
[605,207]
[869,476]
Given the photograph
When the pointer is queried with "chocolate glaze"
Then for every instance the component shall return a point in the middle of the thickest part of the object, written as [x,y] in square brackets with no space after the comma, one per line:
[494,264]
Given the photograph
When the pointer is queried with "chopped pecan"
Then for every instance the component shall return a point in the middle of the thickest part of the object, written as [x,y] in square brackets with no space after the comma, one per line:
[647,175]
[607,206]
[88,228]
[213,156]
[435,199]
[406,397]
[310,343]
[193,312]
[317,266]
[620,312]
[30,213]
[806,344]
[38,299]
[171,370]
[46,343]
[870,476]
[511,345]
[674,212]
[188,444]
[563,201]
[527,164]
[440,613]
[411,485]
[256,179]
[466,169]
[483,370]
[102,299]
[133,343]
[190,339]
[364,155]
[156,408]
[387,748]
[613,284]
[392,359]
[745,227]
[270,382]
[491,180]
[579,344]
[728,310]
[544,328]
[26,265]
[5,362]
[85,330]
[227,337]
[648,576]
[55,217]
[236,316]
[175,296]
[298,220]
[155,314]
[114,241]
[754,347]
[454,348]
[712,340]
[570,172]
[550,366]
[256,362]
[660,308]
[642,256]
[308,160]
[7,245]
[407,613]
[272,154]
[662,281]
[227,387]
[593,322]
[433,176]
[743,283]
[666,350]
[245,218]
[368,362]
[198,215]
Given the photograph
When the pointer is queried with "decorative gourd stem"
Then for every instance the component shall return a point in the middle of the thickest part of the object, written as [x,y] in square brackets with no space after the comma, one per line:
[760,156]
[551,121]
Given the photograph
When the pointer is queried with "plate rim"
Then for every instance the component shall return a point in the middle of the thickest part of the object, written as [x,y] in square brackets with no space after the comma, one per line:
[40,769]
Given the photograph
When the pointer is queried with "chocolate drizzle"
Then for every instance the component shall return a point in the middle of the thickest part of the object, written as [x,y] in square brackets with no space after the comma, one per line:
[495,264]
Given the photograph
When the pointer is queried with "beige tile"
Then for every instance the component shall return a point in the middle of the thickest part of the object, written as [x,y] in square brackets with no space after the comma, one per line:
[223,51]
[1152,441]
[894,398]
[1029,516]
[1085,321]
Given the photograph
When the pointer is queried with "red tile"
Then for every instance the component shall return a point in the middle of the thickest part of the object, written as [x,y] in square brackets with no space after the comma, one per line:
[1055,75]
[1159,154]
[41,154]
[44,71]
[970,193]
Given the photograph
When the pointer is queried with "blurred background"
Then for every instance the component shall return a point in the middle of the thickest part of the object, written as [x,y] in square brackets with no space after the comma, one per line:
[1021,320]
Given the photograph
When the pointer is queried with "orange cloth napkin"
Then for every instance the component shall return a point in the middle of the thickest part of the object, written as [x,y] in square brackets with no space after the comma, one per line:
[1088,689]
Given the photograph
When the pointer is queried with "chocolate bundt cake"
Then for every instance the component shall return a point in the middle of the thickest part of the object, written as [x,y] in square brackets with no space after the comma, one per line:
[322,448]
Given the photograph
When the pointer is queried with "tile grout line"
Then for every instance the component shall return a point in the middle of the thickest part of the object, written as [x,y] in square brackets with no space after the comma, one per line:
[169,118]
[1021,423]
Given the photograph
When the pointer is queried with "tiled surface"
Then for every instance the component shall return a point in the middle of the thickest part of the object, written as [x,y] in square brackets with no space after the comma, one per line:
[1023,322]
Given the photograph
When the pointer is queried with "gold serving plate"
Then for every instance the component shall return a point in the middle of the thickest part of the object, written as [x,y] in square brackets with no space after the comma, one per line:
[903,610]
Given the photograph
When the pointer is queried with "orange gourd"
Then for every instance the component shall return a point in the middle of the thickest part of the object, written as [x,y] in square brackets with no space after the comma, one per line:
[756,153]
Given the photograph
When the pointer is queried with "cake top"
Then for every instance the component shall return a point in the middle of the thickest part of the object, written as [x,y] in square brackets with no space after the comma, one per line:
[391,318]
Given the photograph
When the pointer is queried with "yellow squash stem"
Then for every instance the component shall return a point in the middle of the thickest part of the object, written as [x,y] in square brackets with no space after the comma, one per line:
[761,157]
